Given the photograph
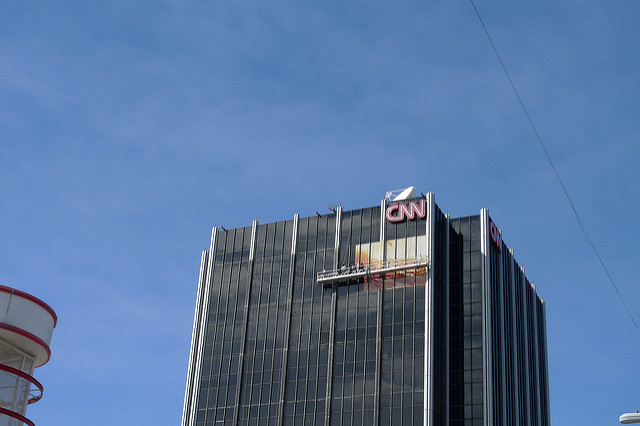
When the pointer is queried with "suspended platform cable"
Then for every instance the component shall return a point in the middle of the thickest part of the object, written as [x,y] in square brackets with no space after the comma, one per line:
[583,229]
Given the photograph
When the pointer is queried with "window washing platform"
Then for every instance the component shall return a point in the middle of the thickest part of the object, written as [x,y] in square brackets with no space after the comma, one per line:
[348,273]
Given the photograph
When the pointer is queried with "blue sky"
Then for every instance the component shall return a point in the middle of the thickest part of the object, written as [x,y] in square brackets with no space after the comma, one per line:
[128,129]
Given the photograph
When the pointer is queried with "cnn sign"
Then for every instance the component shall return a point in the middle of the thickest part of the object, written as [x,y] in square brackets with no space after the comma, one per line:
[496,237]
[398,212]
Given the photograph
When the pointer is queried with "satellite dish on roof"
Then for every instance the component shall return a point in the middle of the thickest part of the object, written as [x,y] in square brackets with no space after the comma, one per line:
[403,194]
[407,193]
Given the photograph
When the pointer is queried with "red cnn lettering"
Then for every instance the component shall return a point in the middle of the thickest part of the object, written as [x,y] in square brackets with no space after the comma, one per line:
[419,209]
[496,237]
[391,216]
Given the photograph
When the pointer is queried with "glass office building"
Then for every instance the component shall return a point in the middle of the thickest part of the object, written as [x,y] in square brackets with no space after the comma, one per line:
[389,315]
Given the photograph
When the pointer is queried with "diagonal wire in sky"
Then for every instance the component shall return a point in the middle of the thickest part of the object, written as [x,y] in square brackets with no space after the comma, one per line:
[573,207]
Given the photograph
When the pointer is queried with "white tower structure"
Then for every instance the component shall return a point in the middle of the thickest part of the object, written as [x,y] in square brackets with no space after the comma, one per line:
[26,326]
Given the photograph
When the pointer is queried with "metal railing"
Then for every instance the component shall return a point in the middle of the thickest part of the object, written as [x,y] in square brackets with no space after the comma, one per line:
[346,273]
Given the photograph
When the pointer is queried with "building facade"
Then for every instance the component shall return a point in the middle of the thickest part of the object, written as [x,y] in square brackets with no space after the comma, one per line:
[389,315]
[26,328]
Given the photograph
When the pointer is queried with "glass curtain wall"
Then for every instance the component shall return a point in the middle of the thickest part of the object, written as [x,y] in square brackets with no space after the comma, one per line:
[403,329]
[354,351]
[218,379]
[465,361]
[308,357]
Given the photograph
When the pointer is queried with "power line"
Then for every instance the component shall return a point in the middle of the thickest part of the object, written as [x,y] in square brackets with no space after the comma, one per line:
[583,229]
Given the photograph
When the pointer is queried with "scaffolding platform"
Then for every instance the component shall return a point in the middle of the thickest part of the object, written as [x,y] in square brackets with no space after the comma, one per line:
[352,272]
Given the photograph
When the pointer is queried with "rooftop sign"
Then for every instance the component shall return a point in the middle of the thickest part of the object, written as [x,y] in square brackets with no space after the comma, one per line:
[398,212]
[496,236]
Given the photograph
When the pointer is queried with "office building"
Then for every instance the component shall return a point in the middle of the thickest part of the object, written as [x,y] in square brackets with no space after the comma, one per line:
[395,314]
